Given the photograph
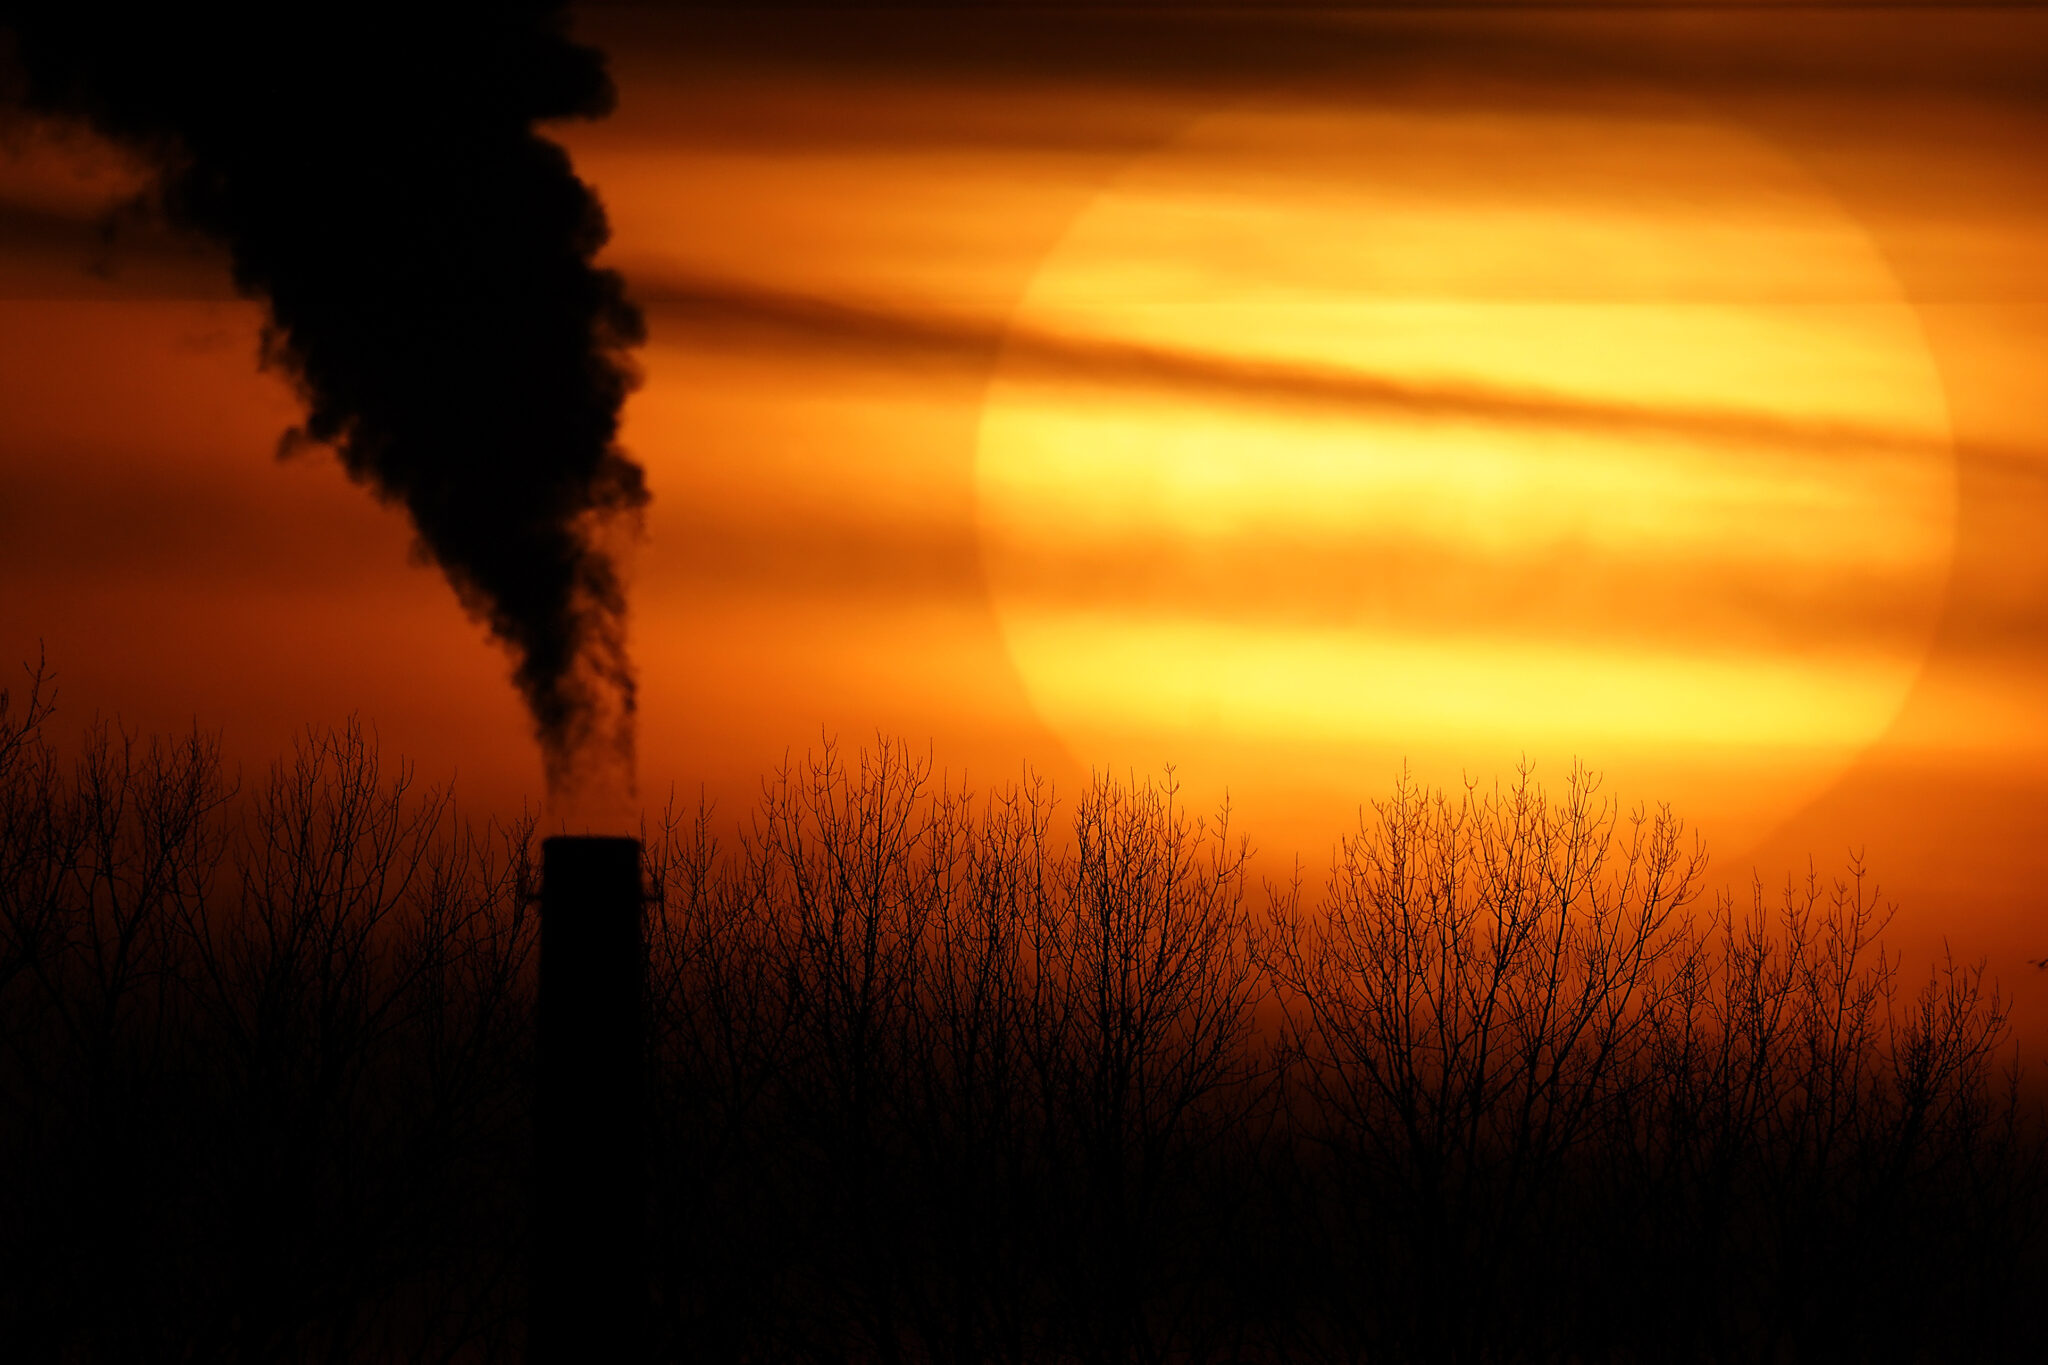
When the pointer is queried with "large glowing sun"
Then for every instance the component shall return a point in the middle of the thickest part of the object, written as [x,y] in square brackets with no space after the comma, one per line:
[1325,443]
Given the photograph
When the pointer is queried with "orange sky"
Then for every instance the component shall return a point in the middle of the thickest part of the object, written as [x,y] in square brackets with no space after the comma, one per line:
[1283,398]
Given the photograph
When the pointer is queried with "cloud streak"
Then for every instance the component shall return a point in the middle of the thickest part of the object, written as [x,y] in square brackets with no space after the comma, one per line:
[720,313]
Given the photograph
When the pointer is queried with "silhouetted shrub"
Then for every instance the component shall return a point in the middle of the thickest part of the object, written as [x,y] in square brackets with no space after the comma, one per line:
[948,1076]
[262,1057]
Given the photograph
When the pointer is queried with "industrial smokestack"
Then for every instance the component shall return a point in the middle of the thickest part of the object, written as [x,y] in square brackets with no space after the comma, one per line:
[588,1297]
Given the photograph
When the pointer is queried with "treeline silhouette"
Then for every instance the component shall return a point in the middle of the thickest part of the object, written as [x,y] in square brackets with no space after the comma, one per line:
[939,1077]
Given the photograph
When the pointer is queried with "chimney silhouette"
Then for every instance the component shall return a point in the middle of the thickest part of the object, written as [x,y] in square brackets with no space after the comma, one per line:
[588,1297]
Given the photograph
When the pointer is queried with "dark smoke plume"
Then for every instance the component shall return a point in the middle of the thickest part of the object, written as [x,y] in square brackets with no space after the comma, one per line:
[375,175]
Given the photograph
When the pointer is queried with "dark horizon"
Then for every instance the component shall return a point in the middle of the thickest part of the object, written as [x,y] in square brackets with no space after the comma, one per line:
[940,1078]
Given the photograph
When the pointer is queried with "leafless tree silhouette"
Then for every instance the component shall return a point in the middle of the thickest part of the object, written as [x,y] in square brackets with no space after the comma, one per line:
[947,1075]
[263,1054]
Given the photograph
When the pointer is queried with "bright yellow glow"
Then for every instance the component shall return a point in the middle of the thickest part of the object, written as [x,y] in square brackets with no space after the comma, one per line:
[1190,672]
[1676,496]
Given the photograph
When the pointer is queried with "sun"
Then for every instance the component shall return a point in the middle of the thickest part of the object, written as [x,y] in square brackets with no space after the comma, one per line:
[1453,440]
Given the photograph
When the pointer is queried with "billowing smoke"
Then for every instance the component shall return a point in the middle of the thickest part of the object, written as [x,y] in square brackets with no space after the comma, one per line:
[375,173]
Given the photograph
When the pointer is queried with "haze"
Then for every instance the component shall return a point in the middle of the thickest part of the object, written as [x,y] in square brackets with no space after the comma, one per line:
[1282,398]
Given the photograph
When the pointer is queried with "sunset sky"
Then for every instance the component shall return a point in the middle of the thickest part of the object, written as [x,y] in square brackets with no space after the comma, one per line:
[1284,395]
